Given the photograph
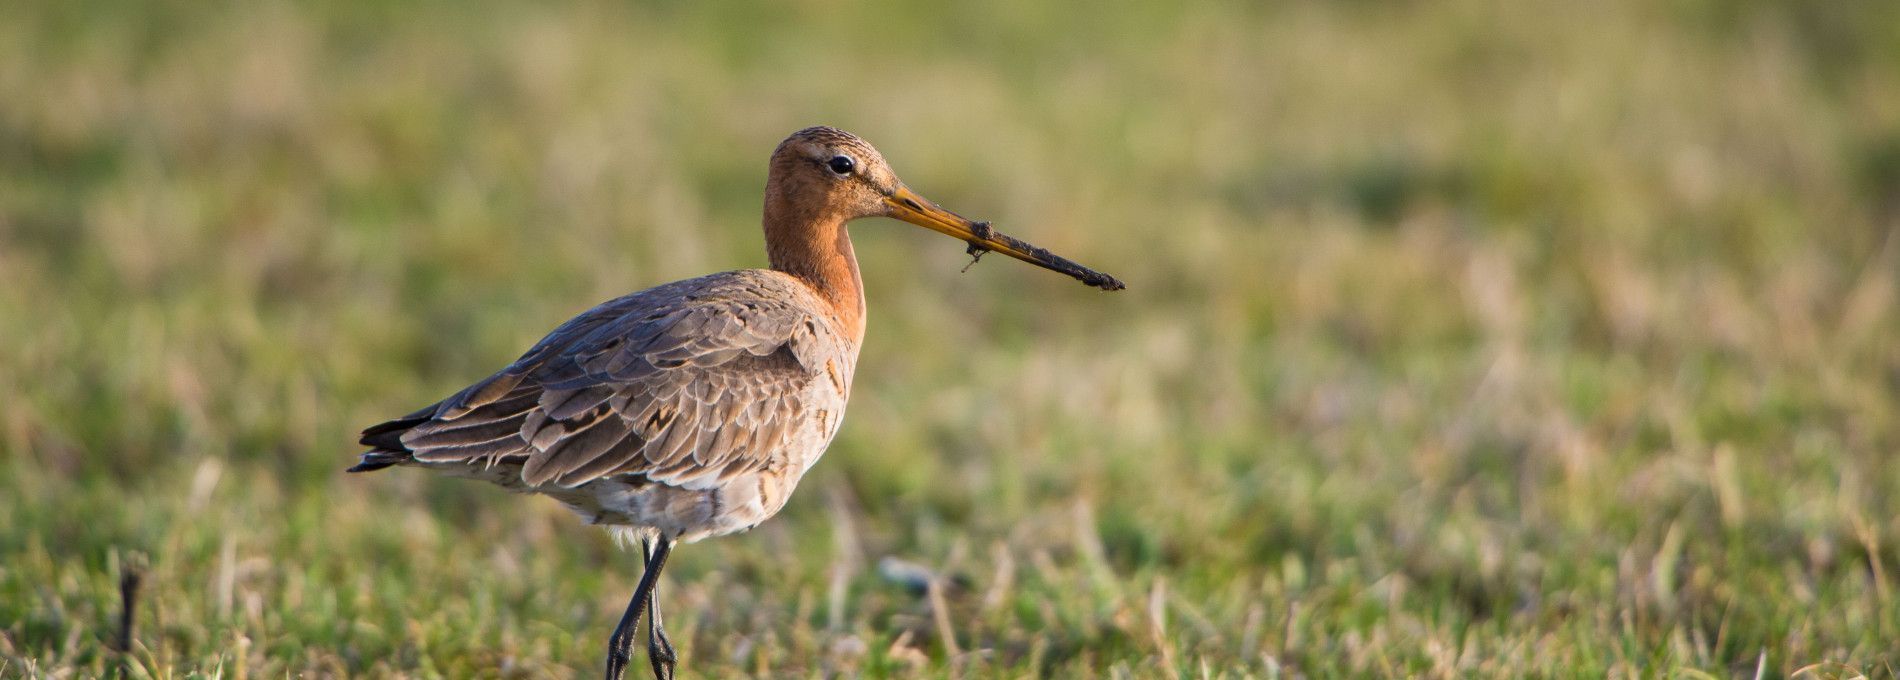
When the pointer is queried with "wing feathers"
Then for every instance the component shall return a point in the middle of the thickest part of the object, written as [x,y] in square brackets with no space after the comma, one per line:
[702,379]
[577,449]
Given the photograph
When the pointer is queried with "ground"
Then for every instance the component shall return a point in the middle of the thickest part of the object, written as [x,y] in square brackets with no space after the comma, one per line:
[1461,339]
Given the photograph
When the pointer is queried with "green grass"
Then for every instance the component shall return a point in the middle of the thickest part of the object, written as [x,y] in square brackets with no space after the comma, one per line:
[1462,339]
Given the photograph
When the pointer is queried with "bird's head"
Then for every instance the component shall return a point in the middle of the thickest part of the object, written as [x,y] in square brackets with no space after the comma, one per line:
[822,174]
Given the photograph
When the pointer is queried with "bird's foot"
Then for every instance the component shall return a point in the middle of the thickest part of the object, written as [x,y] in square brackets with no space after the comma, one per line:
[617,661]
[660,653]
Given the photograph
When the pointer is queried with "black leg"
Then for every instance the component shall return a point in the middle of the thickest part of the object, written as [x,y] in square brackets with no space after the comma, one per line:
[659,649]
[620,646]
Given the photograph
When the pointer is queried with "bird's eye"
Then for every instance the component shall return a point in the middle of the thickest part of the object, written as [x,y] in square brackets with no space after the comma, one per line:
[841,164]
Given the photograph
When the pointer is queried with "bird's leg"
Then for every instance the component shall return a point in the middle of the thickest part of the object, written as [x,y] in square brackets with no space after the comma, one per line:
[659,648]
[620,646]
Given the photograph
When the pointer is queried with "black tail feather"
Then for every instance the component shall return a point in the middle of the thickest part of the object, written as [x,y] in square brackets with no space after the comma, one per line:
[386,441]
[377,460]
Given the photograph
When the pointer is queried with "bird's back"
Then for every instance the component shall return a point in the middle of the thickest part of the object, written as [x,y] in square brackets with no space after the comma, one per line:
[690,409]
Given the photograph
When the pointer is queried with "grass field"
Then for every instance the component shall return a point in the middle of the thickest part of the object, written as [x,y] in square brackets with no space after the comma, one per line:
[1463,338]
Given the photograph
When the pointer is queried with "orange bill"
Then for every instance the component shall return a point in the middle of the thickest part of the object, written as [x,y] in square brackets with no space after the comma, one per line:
[906,205]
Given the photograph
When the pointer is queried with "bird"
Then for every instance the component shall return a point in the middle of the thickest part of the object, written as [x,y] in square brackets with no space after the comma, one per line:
[692,409]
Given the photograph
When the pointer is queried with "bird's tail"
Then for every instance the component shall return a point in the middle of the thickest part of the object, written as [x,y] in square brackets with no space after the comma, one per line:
[377,460]
[385,442]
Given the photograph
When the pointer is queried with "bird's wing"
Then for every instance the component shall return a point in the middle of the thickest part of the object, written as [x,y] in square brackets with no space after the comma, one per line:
[683,388]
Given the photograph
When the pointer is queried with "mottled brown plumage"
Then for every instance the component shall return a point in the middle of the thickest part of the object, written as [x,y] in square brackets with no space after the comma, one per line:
[686,410]
[692,409]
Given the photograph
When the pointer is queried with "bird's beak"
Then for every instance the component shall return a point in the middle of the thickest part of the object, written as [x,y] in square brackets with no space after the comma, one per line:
[906,205]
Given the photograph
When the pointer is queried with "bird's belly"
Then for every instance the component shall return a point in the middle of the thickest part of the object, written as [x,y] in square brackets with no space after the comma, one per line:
[680,513]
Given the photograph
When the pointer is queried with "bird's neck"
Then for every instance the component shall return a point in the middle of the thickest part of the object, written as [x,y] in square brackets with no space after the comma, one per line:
[816,248]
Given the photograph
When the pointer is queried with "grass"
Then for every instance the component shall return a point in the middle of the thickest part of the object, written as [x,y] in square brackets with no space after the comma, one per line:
[1462,338]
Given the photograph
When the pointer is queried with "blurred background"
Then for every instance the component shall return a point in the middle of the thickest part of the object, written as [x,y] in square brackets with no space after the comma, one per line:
[1462,338]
